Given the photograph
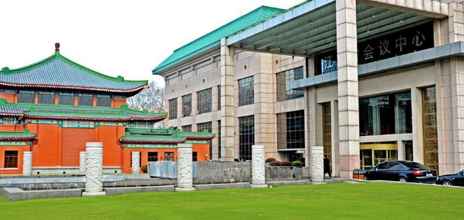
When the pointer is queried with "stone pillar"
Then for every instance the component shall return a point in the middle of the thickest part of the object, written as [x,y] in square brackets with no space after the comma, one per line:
[401,150]
[82,162]
[317,164]
[135,162]
[184,168]
[417,130]
[348,99]
[94,169]
[334,136]
[227,68]
[27,163]
[258,168]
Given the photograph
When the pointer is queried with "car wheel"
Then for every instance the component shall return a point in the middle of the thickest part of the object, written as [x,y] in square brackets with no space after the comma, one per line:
[403,180]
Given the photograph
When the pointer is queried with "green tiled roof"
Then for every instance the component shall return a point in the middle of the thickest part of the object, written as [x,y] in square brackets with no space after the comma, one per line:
[78,112]
[59,72]
[212,39]
[162,136]
[16,135]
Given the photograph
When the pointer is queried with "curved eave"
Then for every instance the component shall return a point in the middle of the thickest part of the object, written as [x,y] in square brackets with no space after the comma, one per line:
[191,138]
[123,141]
[80,88]
[154,118]
[31,138]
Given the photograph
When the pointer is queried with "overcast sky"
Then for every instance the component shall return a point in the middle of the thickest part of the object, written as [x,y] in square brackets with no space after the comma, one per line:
[114,37]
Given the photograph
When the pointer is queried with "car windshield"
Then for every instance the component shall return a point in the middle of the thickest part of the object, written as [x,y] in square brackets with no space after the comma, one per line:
[414,165]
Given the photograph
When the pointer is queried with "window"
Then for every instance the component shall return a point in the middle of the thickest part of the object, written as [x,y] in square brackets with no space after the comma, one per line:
[186,105]
[206,127]
[326,62]
[246,91]
[26,97]
[219,97]
[11,159]
[291,130]
[152,156]
[104,100]
[169,156]
[204,101]
[66,99]
[283,83]
[78,124]
[194,156]
[173,108]
[219,139]
[187,128]
[45,98]
[141,124]
[386,114]
[86,100]
[429,127]
[246,136]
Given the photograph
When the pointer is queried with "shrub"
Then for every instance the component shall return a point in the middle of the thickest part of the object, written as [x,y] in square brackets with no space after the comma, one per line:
[297,163]
[144,169]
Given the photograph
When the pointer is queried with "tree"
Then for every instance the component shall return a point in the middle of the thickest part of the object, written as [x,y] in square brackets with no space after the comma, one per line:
[150,99]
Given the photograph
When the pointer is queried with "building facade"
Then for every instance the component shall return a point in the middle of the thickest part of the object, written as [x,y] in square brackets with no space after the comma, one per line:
[370,80]
[50,109]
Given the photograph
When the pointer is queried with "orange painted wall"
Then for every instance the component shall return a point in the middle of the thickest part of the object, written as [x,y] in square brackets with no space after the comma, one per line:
[110,136]
[11,171]
[9,97]
[73,142]
[47,151]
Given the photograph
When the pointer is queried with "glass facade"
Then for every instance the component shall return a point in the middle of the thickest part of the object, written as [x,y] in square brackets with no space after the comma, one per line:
[246,91]
[104,100]
[246,136]
[327,130]
[86,100]
[26,97]
[283,84]
[45,98]
[204,101]
[429,126]
[66,99]
[290,133]
[385,114]
[187,105]
[173,108]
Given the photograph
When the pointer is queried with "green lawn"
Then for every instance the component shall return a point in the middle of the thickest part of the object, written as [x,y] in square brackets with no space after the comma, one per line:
[329,201]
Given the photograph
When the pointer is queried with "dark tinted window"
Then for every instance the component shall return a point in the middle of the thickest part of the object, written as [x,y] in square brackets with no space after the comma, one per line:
[246,136]
[187,105]
[86,100]
[246,91]
[10,159]
[26,97]
[45,98]
[104,100]
[414,165]
[173,108]
[383,166]
[66,99]
[283,84]
[152,156]
[204,99]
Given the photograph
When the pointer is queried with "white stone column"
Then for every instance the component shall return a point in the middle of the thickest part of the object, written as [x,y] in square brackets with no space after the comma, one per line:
[227,101]
[135,162]
[417,129]
[184,168]
[258,168]
[27,163]
[348,98]
[94,169]
[82,162]
[317,164]
[401,150]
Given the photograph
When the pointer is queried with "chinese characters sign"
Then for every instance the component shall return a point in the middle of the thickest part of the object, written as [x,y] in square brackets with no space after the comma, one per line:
[383,47]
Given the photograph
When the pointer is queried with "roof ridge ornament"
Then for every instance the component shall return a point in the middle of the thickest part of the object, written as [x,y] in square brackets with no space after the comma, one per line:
[57,47]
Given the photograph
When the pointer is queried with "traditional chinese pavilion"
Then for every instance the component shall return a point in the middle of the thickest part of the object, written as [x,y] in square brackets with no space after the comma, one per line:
[50,109]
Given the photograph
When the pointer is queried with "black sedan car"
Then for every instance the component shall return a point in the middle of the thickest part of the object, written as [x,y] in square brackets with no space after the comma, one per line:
[403,171]
[456,179]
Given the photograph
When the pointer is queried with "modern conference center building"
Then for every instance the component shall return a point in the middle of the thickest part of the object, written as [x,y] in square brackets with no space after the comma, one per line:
[369,80]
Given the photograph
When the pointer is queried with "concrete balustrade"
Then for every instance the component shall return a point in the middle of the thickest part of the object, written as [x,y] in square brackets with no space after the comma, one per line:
[258,170]
[94,169]
[184,168]
[82,162]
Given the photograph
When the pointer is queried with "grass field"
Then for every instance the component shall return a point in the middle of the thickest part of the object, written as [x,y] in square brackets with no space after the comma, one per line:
[330,201]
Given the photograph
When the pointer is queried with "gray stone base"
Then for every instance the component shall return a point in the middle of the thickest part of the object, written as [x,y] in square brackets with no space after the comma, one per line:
[123,190]
[15,194]
[94,194]
[181,189]
[259,186]
[223,186]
